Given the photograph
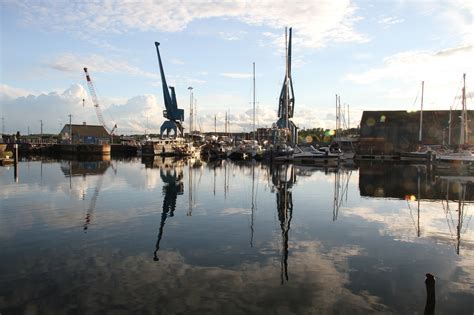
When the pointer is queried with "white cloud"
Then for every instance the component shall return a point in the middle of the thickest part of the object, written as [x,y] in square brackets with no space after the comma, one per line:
[176,61]
[74,63]
[317,22]
[131,116]
[8,92]
[441,71]
[390,20]
[232,35]
[236,75]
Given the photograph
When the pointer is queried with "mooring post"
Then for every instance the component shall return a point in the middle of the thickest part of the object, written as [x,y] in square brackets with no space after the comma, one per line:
[15,161]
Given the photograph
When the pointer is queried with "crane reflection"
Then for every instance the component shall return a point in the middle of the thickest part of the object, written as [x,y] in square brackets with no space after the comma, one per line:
[172,175]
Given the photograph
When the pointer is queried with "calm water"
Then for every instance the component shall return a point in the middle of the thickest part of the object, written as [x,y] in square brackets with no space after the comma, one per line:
[165,236]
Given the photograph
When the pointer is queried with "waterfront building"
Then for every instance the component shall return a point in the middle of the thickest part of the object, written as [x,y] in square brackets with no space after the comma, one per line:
[391,132]
[87,134]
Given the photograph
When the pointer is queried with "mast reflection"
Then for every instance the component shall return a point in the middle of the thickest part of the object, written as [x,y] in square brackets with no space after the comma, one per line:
[457,188]
[283,178]
[171,173]
[416,184]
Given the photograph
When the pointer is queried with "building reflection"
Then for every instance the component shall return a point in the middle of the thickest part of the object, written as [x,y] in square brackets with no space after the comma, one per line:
[83,168]
[416,184]
[283,178]
[96,167]
[171,173]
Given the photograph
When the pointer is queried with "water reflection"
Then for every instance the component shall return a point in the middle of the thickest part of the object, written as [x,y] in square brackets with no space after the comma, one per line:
[425,192]
[457,188]
[84,168]
[171,173]
[283,178]
[340,252]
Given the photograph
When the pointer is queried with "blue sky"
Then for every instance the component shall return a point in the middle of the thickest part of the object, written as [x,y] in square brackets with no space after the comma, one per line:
[372,53]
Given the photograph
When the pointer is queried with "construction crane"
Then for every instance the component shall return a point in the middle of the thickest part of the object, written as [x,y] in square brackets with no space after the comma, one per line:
[95,100]
[174,114]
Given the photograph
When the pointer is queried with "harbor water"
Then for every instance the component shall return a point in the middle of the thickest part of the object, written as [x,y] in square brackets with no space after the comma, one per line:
[166,236]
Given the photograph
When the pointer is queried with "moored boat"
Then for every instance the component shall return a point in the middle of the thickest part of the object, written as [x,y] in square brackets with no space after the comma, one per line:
[312,155]
[167,147]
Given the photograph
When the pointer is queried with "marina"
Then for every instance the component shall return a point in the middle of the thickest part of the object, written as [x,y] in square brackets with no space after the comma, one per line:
[232,183]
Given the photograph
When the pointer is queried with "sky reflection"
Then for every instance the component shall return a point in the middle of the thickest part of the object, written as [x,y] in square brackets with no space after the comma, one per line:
[190,236]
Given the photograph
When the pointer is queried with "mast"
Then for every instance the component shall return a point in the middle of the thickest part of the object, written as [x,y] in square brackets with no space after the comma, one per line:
[190,109]
[335,133]
[464,109]
[449,125]
[286,79]
[348,118]
[421,111]
[254,101]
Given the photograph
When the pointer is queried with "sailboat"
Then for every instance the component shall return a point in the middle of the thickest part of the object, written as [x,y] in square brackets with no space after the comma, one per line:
[461,155]
[423,153]
[347,143]
[248,149]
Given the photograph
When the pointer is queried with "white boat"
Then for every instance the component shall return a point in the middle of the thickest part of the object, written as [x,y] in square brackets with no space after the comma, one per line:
[345,143]
[312,155]
[246,149]
[461,155]
[167,147]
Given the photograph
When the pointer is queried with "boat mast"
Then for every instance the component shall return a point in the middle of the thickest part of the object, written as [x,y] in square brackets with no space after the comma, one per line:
[449,125]
[464,109]
[254,101]
[421,111]
[287,92]
[337,120]
[348,118]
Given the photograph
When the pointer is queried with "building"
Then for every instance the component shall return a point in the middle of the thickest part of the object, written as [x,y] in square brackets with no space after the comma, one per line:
[391,132]
[88,134]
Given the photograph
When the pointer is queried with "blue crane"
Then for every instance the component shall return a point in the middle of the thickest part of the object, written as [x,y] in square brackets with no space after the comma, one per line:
[174,115]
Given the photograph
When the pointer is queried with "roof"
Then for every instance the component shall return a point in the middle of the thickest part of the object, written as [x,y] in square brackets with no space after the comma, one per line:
[87,131]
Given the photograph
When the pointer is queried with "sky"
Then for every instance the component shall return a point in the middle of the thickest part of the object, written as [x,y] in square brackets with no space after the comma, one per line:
[374,54]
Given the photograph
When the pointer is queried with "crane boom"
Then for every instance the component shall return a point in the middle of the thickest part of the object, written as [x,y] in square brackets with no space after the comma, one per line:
[95,101]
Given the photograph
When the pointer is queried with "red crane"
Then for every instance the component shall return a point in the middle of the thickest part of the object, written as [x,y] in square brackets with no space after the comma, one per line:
[95,100]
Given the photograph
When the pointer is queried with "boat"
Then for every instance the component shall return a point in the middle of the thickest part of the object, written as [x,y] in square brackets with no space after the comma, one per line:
[310,154]
[213,150]
[167,147]
[246,149]
[422,153]
[344,144]
[461,155]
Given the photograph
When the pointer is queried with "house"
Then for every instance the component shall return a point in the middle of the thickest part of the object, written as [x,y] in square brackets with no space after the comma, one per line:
[88,134]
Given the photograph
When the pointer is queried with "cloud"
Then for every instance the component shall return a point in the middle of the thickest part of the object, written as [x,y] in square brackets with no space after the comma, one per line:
[407,69]
[53,108]
[176,61]
[317,22]
[8,92]
[236,75]
[74,63]
[390,20]
[232,35]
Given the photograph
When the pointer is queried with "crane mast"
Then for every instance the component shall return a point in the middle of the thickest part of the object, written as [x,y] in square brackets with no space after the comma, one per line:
[95,101]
